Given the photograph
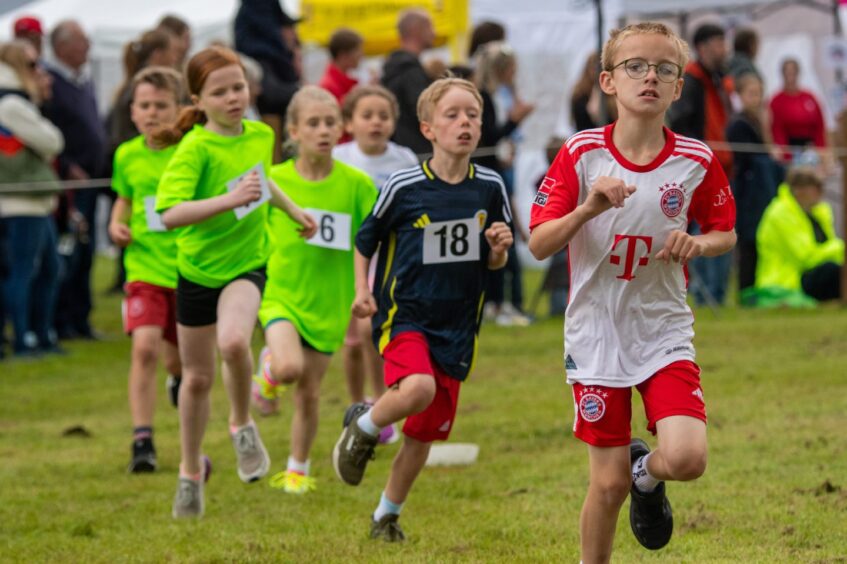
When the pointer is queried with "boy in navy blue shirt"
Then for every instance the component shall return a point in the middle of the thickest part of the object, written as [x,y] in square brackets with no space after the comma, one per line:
[439,228]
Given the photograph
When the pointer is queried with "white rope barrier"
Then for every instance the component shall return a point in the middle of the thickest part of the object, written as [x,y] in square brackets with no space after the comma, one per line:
[51,186]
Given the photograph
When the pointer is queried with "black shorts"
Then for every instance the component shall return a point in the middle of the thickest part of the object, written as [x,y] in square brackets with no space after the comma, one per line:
[197,305]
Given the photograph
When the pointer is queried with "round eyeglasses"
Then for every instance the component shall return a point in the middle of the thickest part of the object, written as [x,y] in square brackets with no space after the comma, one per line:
[638,68]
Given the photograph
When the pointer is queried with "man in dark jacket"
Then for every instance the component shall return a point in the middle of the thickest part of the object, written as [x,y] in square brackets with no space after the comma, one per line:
[702,112]
[404,75]
[266,33]
[73,108]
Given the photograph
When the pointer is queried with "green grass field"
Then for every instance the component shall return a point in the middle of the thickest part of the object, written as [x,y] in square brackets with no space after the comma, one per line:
[775,491]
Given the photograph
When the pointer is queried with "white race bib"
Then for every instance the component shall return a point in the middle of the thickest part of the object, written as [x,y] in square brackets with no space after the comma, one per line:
[333,229]
[451,241]
[154,220]
[241,211]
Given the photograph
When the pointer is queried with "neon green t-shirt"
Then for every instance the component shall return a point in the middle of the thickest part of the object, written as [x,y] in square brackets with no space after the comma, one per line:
[151,256]
[311,283]
[220,248]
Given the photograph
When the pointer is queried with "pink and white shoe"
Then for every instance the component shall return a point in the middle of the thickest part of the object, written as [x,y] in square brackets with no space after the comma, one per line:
[389,435]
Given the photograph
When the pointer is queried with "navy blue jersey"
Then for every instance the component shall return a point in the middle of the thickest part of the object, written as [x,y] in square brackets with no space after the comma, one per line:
[433,259]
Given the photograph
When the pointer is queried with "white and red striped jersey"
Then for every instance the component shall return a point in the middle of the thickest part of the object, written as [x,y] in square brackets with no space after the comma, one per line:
[627,315]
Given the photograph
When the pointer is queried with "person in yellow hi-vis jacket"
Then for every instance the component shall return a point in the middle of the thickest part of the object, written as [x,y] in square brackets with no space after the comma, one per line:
[800,257]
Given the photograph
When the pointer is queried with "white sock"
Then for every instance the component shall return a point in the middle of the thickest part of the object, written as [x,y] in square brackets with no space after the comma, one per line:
[367,425]
[386,506]
[296,466]
[644,482]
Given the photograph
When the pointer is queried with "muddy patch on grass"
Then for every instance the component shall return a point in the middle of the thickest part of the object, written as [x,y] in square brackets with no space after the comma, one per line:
[698,520]
[824,488]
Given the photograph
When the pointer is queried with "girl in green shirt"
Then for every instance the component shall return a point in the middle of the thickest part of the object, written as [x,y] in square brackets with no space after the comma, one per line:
[306,307]
[215,189]
[150,258]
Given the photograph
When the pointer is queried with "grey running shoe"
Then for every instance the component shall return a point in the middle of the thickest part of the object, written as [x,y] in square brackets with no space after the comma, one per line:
[387,529]
[354,448]
[253,459]
[650,515]
[189,499]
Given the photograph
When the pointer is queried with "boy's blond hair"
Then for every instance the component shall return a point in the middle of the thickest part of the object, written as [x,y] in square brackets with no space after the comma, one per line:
[616,37]
[433,94]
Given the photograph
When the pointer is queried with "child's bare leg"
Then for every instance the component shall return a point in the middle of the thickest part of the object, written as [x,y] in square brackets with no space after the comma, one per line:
[287,359]
[354,370]
[146,346]
[407,465]
[197,350]
[610,480]
[681,454]
[371,360]
[304,426]
[237,309]
[409,396]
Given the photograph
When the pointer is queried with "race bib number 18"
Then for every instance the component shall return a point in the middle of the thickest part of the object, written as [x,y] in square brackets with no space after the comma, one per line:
[451,241]
[333,230]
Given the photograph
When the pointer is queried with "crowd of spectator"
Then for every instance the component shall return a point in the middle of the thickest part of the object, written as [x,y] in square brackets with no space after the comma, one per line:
[50,130]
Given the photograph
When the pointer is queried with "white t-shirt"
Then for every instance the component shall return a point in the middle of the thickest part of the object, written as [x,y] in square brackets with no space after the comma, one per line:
[378,167]
[627,316]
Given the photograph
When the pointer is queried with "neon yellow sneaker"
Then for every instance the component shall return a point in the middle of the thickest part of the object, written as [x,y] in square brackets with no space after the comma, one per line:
[266,392]
[293,482]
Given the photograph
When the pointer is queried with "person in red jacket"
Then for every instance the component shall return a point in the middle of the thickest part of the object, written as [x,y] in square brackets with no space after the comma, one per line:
[796,116]
[345,48]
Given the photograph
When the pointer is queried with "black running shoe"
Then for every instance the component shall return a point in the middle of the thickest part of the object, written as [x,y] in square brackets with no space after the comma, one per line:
[387,529]
[143,457]
[650,514]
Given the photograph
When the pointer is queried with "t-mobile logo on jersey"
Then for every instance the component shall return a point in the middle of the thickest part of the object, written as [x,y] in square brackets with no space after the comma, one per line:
[629,249]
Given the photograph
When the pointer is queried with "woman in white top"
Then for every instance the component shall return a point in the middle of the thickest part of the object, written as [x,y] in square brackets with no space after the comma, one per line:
[29,143]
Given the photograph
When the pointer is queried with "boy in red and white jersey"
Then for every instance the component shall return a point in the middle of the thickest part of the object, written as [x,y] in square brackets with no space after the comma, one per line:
[620,198]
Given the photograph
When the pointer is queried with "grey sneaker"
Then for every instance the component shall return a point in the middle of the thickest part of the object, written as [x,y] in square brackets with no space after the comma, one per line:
[387,529]
[189,499]
[354,448]
[253,459]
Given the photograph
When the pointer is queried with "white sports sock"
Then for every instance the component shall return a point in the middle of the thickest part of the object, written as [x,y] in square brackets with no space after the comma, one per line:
[367,425]
[300,467]
[644,482]
[386,506]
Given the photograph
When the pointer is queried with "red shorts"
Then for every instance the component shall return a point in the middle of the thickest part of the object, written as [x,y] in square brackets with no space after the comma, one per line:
[602,414]
[150,305]
[407,354]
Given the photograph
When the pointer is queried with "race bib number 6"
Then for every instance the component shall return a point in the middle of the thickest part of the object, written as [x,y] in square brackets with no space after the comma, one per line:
[333,230]
[451,241]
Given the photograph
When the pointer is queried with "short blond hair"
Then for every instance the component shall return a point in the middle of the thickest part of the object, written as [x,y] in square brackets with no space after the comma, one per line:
[433,94]
[616,37]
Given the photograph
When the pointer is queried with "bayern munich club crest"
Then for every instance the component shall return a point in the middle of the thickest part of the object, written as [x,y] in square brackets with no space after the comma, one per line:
[591,405]
[673,198]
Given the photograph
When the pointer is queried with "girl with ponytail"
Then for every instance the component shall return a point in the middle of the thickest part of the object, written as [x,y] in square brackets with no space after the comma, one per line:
[215,189]
[152,48]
